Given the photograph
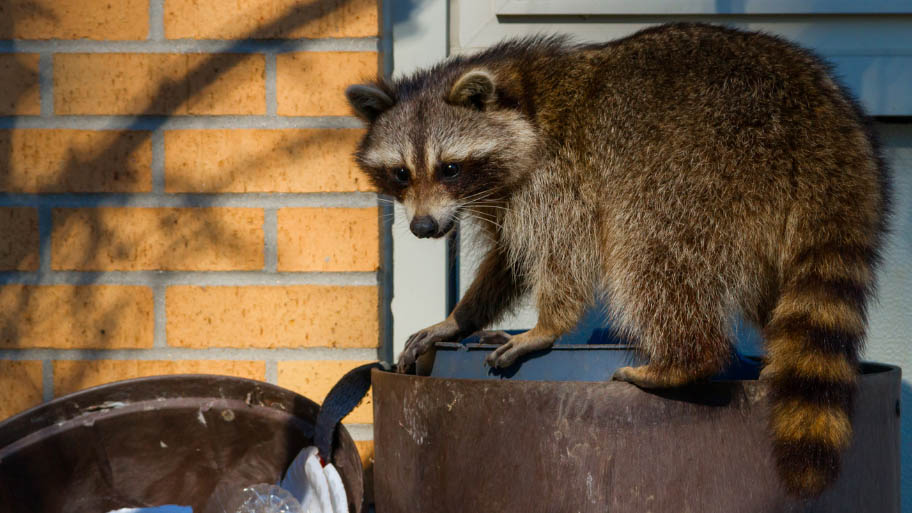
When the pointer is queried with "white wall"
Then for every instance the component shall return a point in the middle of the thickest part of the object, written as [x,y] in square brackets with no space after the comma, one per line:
[890,337]
[419,38]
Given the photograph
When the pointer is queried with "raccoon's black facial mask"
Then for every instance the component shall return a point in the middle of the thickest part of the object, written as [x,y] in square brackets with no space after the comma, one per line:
[450,170]
[471,178]
[391,181]
[401,175]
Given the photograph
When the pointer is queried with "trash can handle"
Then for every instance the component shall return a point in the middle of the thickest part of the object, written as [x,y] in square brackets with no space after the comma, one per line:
[339,402]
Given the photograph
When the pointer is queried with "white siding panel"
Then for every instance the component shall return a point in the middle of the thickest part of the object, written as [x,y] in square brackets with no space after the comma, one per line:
[419,266]
[871,51]
[883,85]
[611,7]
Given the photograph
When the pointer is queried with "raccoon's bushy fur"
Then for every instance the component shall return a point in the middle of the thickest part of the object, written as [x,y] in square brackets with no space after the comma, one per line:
[686,173]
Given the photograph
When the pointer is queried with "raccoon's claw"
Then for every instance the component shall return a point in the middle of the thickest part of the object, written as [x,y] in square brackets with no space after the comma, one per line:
[517,345]
[420,342]
[501,357]
[415,346]
[407,359]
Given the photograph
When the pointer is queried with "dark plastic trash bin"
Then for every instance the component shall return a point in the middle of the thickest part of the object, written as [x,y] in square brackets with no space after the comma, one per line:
[161,440]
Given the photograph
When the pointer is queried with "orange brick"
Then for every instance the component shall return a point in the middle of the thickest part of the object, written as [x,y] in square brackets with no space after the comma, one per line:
[21,385]
[74,19]
[198,161]
[366,451]
[133,239]
[270,317]
[56,161]
[270,19]
[71,376]
[313,83]
[328,239]
[175,84]
[19,86]
[19,239]
[314,379]
[75,317]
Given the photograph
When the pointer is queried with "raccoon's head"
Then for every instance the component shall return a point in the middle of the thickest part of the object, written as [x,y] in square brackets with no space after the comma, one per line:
[442,145]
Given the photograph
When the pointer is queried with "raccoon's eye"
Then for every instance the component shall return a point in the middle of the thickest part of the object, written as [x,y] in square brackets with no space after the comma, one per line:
[401,175]
[450,170]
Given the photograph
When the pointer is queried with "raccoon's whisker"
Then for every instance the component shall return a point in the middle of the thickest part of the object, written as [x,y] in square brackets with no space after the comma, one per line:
[480,200]
[484,217]
[483,201]
[482,194]
[487,192]
[473,209]
[489,205]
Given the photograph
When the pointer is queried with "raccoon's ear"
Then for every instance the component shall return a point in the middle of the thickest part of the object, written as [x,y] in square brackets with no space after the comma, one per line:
[368,101]
[473,89]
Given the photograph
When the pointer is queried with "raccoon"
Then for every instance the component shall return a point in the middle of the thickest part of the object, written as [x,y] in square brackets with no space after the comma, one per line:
[685,174]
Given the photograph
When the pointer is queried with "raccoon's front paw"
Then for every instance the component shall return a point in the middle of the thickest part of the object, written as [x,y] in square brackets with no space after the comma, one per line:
[420,342]
[516,346]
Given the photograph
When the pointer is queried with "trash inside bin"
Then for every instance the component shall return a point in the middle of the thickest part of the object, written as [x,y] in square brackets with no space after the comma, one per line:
[180,440]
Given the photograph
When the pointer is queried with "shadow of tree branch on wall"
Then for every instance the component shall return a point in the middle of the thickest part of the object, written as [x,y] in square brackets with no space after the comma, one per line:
[115,168]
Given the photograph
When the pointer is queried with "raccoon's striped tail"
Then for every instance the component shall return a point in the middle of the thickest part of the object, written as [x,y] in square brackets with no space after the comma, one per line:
[813,340]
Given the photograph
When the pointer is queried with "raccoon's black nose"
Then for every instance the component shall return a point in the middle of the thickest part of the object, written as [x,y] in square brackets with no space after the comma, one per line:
[424,226]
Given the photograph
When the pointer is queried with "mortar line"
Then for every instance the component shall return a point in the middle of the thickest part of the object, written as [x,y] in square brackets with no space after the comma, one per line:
[45,229]
[237,200]
[272,372]
[270,239]
[272,102]
[202,122]
[190,278]
[46,84]
[158,162]
[156,20]
[47,380]
[160,322]
[159,44]
[181,353]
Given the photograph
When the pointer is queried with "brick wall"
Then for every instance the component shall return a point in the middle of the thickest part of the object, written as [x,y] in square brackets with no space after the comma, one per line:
[177,195]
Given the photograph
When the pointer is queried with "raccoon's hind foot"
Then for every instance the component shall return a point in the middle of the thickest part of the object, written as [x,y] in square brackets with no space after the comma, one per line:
[517,345]
[649,377]
[420,342]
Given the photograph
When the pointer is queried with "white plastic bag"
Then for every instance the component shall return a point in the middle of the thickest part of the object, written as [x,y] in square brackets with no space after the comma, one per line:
[308,487]
[318,488]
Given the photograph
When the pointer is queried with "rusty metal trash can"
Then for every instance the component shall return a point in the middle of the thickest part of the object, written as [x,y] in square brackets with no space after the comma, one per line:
[448,445]
[161,440]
